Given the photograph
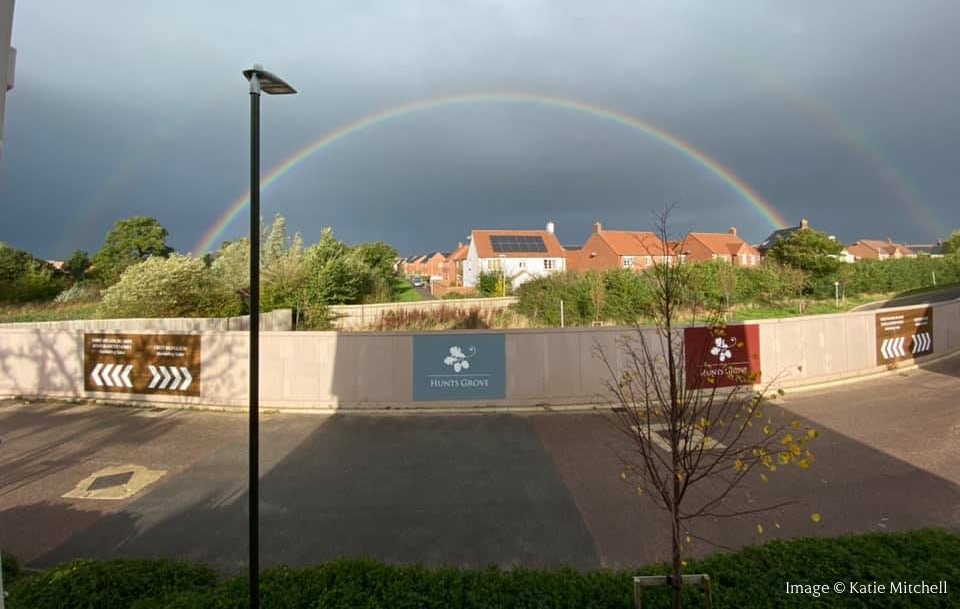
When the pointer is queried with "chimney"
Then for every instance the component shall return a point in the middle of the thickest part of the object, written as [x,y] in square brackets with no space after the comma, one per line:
[889,240]
[804,224]
[733,231]
[597,227]
[459,244]
[550,227]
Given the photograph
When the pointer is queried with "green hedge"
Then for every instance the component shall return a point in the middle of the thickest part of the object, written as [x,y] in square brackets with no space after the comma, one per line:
[753,577]
[9,567]
[114,584]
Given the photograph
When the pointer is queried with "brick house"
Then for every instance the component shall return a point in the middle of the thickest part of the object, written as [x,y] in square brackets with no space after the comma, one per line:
[453,273]
[704,247]
[875,249]
[434,265]
[520,254]
[613,249]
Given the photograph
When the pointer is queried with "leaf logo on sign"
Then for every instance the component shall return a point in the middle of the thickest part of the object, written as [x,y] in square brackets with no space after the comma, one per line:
[721,349]
[458,359]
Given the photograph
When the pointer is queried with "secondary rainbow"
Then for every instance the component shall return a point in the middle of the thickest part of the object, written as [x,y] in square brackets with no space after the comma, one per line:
[700,157]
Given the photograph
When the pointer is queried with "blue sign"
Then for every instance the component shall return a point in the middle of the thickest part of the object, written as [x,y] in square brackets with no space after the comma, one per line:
[459,367]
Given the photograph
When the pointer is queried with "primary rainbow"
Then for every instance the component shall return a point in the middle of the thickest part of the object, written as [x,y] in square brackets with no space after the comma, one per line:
[676,142]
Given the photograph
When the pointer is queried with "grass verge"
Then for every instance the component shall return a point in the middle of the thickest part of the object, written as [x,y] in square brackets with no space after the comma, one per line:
[753,577]
[406,292]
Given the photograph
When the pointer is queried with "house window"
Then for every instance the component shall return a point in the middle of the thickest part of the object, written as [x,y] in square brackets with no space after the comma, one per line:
[628,261]
[522,264]
[548,263]
[647,260]
[493,265]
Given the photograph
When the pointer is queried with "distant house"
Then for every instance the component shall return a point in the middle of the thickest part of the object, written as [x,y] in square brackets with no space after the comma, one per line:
[934,250]
[520,254]
[783,233]
[614,249]
[433,265]
[414,265]
[875,249]
[453,275]
[728,247]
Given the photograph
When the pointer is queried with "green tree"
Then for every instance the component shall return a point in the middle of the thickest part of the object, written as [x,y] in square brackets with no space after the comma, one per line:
[176,286]
[76,265]
[952,244]
[131,240]
[25,278]
[379,258]
[810,251]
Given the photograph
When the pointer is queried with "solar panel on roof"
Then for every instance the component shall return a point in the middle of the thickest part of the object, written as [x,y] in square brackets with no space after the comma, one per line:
[517,243]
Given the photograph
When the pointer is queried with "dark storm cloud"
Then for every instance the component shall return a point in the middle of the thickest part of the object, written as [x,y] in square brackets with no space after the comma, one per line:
[843,112]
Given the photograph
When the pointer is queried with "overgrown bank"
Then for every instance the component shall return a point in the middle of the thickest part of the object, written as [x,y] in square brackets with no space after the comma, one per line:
[753,577]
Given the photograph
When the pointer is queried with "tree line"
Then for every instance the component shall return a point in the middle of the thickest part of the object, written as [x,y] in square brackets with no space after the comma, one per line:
[802,267]
[137,274]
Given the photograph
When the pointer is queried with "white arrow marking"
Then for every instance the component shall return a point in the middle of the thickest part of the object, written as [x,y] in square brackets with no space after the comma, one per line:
[885,349]
[900,351]
[95,375]
[125,377]
[176,378]
[187,379]
[106,375]
[166,377]
[116,375]
[156,377]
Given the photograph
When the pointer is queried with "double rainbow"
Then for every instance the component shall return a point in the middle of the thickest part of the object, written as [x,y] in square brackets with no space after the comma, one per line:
[679,144]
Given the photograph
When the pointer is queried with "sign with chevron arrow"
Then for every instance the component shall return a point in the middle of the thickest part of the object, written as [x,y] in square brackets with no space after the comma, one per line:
[142,363]
[904,334]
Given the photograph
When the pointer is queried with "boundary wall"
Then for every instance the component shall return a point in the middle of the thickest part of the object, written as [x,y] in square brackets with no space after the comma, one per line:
[366,370]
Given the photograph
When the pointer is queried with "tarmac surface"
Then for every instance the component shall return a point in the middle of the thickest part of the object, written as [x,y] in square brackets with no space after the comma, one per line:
[947,294]
[539,490]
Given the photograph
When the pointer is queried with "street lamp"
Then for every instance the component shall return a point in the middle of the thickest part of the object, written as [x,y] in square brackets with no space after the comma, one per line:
[260,80]
[836,293]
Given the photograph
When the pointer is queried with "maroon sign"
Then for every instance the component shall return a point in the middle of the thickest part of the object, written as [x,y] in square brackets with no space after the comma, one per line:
[723,356]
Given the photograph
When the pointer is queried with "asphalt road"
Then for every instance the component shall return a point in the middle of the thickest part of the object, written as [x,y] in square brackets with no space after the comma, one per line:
[944,295]
[538,490]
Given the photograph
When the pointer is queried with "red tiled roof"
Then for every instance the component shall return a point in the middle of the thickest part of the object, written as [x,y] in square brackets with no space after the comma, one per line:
[481,239]
[724,243]
[887,247]
[460,253]
[633,243]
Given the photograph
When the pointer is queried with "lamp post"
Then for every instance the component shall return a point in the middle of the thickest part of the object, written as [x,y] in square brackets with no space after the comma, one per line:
[260,80]
[836,293]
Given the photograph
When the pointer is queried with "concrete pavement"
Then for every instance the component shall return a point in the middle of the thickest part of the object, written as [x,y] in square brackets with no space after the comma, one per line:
[538,490]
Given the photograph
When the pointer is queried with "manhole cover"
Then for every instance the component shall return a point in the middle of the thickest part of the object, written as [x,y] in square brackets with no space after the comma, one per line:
[102,482]
[115,482]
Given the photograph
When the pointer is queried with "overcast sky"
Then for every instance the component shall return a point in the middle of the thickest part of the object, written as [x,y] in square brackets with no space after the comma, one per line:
[845,113]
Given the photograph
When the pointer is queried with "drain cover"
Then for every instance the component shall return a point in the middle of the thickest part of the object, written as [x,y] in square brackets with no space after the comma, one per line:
[115,482]
[103,482]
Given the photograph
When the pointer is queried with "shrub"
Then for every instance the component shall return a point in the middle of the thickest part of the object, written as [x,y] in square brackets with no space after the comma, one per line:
[751,577]
[114,584]
[9,567]
[79,292]
[178,286]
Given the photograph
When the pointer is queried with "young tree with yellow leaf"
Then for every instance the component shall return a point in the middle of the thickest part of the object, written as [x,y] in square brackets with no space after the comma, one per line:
[693,443]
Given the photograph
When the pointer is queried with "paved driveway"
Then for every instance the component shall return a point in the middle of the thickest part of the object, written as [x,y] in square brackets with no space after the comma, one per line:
[539,490]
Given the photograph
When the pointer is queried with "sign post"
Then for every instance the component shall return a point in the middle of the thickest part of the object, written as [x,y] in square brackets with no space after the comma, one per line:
[459,367]
[723,356]
[152,364]
[904,334]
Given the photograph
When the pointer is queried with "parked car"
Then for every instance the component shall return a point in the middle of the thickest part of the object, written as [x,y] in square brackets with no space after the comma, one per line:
[417,282]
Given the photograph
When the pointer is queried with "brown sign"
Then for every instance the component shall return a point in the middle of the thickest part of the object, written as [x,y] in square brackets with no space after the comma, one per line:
[904,334]
[142,363]
[724,356]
